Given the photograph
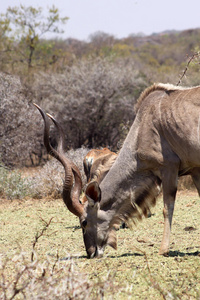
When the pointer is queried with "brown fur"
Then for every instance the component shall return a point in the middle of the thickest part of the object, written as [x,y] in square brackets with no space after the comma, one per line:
[101,166]
[94,162]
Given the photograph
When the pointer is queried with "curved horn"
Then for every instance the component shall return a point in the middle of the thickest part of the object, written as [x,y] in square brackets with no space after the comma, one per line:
[70,194]
[77,175]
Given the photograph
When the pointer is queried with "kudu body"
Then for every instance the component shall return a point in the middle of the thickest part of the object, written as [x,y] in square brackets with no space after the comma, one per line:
[162,144]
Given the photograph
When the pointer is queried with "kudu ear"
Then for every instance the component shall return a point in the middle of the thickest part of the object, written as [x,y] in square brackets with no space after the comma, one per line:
[93,193]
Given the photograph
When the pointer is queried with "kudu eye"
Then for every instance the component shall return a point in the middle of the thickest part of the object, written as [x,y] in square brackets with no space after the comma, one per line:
[84,224]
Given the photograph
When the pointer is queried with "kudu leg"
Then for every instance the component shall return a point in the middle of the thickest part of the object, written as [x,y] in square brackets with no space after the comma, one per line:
[169,183]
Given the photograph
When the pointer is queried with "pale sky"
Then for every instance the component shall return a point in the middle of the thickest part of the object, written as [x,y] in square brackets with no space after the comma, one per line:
[119,17]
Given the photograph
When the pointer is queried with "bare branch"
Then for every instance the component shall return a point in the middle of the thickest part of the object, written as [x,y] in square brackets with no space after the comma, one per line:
[195,55]
[38,235]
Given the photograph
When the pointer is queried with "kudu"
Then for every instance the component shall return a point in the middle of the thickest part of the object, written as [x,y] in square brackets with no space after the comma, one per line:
[163,143]
[96,165]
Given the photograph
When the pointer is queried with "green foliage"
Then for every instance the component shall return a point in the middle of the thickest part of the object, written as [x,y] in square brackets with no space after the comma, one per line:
[12,185]
[23,47]
[24,27]
[122,50]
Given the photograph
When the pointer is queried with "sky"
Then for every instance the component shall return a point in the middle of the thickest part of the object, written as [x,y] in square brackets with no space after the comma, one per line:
[119,18]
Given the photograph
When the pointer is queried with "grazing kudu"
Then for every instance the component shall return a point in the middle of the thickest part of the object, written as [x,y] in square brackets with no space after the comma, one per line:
[162,144]
[96,164]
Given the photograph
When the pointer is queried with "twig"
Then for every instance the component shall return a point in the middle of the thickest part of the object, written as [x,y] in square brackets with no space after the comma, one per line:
[195,55]
[17,290]
[38,235]
[54,265]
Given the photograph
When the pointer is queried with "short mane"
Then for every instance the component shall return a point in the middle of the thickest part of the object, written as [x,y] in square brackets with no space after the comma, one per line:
[168,88]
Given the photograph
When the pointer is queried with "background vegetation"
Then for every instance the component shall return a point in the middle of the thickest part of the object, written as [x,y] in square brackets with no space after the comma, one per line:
[91,87]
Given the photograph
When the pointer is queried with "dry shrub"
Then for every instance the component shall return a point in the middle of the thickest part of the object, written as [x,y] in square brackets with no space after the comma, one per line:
[53,278]
[49,180]
[40,280]
[93,99]
[19,133]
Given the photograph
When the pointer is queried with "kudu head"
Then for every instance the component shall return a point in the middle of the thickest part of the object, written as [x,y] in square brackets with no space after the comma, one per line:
[88,211]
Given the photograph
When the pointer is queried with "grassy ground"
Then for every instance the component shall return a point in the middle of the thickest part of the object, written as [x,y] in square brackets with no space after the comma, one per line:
[134,271]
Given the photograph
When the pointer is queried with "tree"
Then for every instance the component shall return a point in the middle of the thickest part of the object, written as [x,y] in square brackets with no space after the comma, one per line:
[27,26]
[102,42]
[5,44]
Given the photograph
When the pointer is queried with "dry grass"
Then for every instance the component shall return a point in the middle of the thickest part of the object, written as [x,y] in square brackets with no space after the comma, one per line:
[60,270]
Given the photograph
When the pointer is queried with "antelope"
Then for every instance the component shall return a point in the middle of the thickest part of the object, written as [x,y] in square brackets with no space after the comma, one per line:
[96,164]
[163,143]
[97,159]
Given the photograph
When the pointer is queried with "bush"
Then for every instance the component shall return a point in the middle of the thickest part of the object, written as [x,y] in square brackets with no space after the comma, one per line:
[49,180]
[52,278]
[93,100]
[43,280]
[12,185]
[20,134]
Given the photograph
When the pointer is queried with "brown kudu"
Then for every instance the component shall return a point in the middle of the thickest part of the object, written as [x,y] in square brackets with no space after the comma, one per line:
[95,161]
[162,144]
